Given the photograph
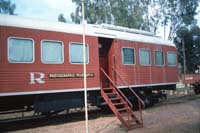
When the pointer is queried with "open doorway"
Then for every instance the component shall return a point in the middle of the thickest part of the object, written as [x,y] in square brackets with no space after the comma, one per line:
[104,48]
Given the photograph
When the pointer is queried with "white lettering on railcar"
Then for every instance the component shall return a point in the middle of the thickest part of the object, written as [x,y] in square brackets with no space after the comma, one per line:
[188,78]
[37,77]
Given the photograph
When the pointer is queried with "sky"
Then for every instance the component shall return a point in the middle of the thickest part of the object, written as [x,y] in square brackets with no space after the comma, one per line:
[44,9]
[50,9]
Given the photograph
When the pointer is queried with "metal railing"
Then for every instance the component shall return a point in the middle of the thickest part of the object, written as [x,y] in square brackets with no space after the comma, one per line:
[135,94]
[125,83]
[113,84]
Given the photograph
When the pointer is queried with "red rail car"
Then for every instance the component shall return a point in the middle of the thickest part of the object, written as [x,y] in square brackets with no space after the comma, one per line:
[193,80]
[41,63]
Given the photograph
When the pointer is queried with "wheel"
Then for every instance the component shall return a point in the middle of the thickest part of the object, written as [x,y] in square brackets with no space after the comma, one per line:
[147,102]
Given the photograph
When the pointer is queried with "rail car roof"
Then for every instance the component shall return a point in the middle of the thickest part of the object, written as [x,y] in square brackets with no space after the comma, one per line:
[108,31]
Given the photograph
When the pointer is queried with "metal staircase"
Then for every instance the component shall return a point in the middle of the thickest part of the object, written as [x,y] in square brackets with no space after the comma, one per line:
[120,105]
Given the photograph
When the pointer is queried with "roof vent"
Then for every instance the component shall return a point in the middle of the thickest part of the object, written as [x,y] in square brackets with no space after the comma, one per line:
[124,29]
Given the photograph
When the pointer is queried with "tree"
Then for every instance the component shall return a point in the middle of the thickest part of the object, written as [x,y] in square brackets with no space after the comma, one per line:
[118,12]
[127,13]
[6,7]
[169,13]
[154,11]
[142,14]
[180,14]
[96,12]
[191,38]
[61,18]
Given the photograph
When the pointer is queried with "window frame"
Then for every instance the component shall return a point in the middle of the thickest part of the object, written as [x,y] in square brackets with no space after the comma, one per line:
[149,57]
[155,57]
[123,56]
[175,58]
[70,53]
[63,55]
[23,38]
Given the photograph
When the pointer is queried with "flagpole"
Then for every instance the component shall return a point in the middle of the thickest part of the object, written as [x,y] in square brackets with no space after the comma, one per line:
[84,68]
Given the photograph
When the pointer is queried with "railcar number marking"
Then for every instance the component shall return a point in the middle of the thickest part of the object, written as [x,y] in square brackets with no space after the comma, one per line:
[37,77]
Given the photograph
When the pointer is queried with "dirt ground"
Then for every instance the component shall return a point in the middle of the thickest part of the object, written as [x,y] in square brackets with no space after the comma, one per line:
[178,114]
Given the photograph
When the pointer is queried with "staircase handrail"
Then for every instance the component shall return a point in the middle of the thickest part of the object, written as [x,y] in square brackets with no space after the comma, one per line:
[125,83]
[116,87]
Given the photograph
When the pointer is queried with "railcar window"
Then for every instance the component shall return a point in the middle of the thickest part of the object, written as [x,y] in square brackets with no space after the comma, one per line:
[20,50]
[52,52]
[145,57]
[128,56]
[159,58]
[171,59]
[76,53]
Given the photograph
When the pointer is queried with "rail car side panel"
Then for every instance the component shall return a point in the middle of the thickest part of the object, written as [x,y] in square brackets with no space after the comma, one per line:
[138,75]
[18,77]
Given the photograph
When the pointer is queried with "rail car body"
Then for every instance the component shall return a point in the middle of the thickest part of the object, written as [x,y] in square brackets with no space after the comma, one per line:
[193,80]
[41,65]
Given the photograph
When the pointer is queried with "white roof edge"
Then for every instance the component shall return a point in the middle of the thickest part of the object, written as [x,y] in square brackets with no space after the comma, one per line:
[92,30]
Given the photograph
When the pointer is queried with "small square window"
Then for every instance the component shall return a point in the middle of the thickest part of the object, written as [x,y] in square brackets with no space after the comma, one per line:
[20,50]
[171,59]
[76,53]
[52,52]
[145,57]
[159,58]
[128,56]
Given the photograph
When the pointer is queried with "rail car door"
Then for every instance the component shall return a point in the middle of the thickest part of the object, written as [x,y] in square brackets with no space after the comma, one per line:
[104,54]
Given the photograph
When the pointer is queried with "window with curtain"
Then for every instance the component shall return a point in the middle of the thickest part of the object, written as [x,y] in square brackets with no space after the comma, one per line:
[145,57]
[128,56]
[171,59]
[159,58]
[76,53]
[52,52]
[20,50]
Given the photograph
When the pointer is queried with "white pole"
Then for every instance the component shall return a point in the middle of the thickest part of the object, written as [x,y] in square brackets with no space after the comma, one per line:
[84,68]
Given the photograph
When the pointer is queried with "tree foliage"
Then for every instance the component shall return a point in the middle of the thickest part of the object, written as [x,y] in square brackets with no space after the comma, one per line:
[6,7]
[153,14]
[61,18]
[142,14]
[95,12]
[180,13]
[169,13]
[191,38]
[118,12]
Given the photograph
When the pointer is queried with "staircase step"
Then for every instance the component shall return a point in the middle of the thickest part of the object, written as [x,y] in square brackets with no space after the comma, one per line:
[122,109]
[107,89]
[119,105]
[116,104]
[111,93]
[115,99]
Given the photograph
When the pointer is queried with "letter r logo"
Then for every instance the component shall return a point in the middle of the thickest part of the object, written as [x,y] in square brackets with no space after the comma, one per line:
[37,77]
